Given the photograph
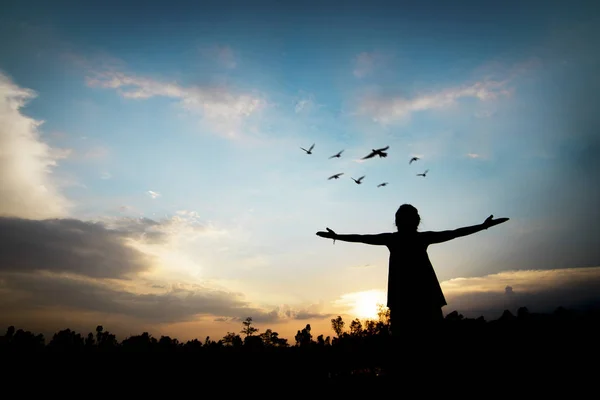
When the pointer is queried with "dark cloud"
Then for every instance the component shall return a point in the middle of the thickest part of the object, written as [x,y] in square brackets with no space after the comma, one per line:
[310,315]
[177,304]
[67,245]
[145,229]
[155,232]
[580,293]
[288,313]
[71,265]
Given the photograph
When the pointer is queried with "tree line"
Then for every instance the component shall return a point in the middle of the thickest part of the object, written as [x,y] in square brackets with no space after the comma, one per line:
[357,348]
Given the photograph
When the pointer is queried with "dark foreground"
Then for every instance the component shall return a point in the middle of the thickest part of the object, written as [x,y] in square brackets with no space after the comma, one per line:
[537,354]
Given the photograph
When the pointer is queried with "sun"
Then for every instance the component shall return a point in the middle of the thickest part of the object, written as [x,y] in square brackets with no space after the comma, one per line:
[365,304]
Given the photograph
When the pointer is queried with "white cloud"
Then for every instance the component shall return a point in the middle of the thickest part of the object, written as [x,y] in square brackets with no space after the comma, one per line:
[26,186]
[105,175]
[389,109]
[473,155]
[153,194]
[222,108]
[183,227]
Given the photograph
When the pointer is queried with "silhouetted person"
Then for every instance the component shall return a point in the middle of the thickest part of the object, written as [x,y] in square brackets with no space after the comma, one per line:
[414,293]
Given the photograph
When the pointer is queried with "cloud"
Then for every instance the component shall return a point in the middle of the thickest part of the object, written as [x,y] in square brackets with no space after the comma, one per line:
[153,194]
[102,267]
[366,62]
[26,185]
[493,82]
[538,290]
[105,175]
[183,226]
[473,155]
[286,312]
[177,303]
[389,109]
[154,303]
[222,108]
[68,245]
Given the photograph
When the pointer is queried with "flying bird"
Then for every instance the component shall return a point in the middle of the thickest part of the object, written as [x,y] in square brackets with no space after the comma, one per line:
[413,159]
[309,151]
[336,176]
[382,184]
[358,181]
[424,173]
[338,155]
[377,152]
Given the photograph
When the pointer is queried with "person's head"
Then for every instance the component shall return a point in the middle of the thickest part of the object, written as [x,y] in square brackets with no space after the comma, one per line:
[407,218]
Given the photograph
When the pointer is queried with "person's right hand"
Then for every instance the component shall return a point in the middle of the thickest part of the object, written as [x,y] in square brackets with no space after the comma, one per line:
[330,234]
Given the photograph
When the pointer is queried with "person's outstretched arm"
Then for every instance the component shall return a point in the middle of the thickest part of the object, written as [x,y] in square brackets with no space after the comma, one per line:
[380,239]
[444,236]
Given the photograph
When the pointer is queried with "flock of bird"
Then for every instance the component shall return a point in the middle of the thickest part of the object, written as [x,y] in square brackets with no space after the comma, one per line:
[374,152]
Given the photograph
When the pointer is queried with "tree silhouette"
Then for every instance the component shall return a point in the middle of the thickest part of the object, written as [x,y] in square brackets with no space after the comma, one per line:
[232,339]
[338,326]
[383,313]
[67,340]
[248,330]
[304,337]
[272,339]
[323,341]
[356,327]
[89,341]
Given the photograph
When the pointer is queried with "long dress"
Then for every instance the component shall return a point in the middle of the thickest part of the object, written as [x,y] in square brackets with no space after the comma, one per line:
[414,292]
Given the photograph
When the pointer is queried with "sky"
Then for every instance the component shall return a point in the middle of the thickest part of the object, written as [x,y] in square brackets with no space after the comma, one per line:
[152,176]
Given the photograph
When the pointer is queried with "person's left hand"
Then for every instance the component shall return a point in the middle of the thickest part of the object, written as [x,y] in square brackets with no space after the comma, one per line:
[490,221]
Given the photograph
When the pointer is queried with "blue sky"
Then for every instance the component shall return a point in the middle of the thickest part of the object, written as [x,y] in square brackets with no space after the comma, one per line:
[191,116]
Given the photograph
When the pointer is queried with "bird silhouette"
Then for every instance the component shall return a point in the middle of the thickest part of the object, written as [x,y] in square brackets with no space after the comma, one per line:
[338,155]
[424,174]
[309,151]
[413,159]
[336,176]
[377,152]
[382,184]
[358,181]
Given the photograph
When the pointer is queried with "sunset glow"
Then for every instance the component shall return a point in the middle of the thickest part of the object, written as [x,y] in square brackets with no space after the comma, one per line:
[153,173]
